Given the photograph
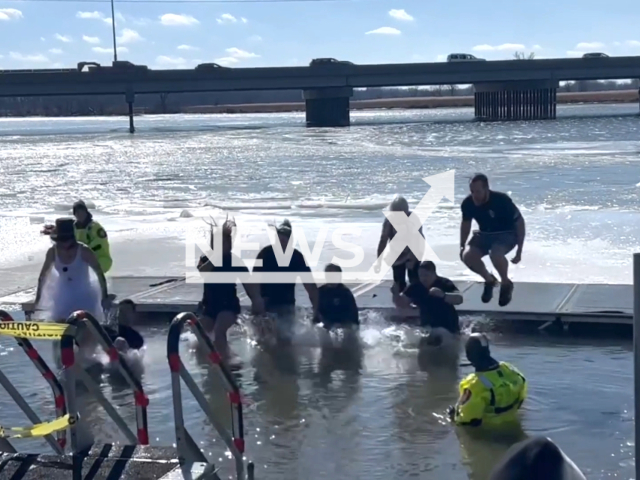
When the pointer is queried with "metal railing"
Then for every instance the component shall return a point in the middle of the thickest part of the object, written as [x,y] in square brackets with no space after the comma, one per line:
[67,355]
[47,374]
[188,450]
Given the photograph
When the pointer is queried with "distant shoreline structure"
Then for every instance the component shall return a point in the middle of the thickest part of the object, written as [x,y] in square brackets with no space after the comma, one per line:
[564,98]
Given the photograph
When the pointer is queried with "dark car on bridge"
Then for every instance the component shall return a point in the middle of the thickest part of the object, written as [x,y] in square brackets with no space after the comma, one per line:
[210,66]
[595,55]
[328,61]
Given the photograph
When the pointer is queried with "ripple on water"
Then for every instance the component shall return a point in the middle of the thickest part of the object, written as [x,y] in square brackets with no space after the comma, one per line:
[378,415]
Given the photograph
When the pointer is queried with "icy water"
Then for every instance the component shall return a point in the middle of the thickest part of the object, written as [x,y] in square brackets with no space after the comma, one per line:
[576,179]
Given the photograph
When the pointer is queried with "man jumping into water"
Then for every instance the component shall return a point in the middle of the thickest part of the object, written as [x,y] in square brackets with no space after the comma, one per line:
[501,228]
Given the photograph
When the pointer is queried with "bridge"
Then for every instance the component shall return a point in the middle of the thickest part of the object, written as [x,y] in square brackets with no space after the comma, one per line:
[504,90]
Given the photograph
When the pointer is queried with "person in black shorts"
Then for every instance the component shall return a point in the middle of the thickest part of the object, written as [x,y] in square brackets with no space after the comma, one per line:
[436,298]
[280,298]
[406,264]
[336,304]
[220,304]
[501,229]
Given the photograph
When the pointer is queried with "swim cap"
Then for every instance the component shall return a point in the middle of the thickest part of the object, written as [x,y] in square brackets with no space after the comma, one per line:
[399,204]
[477,347]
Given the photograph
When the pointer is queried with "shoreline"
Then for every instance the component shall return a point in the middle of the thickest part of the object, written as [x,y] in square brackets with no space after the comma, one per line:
[564,98]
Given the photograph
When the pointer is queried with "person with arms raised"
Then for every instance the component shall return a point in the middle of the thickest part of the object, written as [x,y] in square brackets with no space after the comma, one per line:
[280,298]
[501,229]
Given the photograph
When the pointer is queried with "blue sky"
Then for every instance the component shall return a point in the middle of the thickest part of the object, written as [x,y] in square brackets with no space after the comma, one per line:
[46,34]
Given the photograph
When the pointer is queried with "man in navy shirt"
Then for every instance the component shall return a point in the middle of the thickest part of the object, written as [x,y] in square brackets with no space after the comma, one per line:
[336,304]
[436,298]
[501,229]
[280,298]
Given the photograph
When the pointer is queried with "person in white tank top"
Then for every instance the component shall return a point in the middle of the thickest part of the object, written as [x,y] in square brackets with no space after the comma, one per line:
[67,276]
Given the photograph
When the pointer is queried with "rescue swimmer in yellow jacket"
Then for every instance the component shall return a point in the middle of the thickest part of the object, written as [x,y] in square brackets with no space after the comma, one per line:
[91,233]
[491,395]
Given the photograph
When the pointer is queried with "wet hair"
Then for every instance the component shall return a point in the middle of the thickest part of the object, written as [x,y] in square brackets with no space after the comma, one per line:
[428,265]
[332,267]
[480,177]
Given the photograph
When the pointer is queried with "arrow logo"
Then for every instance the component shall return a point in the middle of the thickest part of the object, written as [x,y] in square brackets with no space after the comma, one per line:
[408,233]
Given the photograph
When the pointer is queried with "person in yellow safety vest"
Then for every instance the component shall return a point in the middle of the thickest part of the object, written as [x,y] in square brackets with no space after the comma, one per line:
[491,395]
[92,234]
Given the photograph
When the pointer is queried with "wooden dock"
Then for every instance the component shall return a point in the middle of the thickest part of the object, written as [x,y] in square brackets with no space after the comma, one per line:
[568,302]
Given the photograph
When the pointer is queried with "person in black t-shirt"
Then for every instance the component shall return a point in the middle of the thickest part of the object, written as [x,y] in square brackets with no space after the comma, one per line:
[501,229]
[336,303]
[280,298]
[220,305]
[436,298]
[406,265]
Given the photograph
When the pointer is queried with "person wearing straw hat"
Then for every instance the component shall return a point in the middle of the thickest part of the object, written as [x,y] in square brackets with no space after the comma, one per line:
[65,278]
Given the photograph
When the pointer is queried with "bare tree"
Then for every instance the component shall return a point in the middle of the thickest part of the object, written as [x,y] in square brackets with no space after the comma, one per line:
[524,56]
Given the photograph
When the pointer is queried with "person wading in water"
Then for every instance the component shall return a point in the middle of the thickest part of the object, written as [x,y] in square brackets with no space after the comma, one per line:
[220,305]
[280,298]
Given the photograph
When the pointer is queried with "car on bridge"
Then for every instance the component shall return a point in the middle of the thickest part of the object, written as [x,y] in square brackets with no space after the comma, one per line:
[595,55]
[328,61]
[210,66]
[464,57]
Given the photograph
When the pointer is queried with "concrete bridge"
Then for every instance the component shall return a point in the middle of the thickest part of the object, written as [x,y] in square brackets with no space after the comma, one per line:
[504,90]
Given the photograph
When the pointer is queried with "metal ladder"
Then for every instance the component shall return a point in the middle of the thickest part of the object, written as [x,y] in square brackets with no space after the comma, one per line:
[68,403]
[188,450]
[58,393]
[71,370]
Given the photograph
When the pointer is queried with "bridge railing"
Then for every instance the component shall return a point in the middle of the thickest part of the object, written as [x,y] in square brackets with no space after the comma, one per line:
[67,355]
[188,450]
[58,392]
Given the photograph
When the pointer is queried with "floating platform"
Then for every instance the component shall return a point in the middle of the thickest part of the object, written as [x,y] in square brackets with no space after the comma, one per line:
[545,302]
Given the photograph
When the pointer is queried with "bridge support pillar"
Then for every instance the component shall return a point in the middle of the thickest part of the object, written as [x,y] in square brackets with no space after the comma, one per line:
[518,100]
[130,97]
[328,107]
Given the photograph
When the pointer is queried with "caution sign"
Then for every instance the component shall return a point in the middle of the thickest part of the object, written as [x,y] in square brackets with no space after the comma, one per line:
[39,430]
[51,331]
